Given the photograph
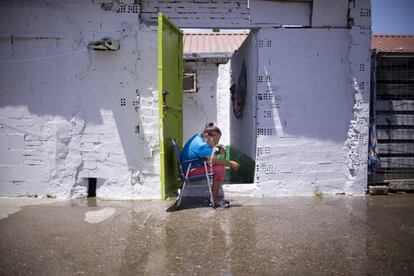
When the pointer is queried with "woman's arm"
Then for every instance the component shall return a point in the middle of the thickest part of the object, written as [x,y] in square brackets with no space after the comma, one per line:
[221,162]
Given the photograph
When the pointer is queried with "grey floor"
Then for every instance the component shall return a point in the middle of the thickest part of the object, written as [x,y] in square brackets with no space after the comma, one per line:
[371,235]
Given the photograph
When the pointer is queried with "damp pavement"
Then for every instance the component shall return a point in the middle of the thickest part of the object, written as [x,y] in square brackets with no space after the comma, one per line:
[372,235]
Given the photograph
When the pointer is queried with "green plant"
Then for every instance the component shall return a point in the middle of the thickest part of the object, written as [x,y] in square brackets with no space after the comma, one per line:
[318,193]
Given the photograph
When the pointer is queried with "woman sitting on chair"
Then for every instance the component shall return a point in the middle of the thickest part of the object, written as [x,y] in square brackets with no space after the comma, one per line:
[202,145]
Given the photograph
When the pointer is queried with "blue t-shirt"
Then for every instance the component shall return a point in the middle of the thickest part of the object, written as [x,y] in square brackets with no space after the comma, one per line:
[195,148]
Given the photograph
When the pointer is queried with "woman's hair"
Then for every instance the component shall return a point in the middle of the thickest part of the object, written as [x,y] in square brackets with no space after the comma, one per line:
[211,130]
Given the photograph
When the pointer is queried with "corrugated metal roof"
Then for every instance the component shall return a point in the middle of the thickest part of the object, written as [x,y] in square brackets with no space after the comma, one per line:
[209,45]
[213,45]
[393,43]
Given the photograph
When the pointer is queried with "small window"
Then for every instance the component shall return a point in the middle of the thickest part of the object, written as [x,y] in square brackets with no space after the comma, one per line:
[190,82]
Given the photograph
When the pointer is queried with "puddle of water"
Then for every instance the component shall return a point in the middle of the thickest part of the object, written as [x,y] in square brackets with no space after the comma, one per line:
[100,215]
[9,206]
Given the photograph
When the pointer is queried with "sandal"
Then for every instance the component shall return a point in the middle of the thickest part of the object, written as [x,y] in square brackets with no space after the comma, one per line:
[222,204]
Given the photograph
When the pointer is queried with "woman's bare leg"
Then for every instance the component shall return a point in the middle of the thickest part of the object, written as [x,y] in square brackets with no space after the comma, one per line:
[216,189]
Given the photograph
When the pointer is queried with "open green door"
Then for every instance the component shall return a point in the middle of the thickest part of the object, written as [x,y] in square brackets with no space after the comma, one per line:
[170,100]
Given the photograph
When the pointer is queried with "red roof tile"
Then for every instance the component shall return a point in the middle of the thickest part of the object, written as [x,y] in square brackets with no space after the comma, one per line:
[392,43]
[212,43]
[219,44]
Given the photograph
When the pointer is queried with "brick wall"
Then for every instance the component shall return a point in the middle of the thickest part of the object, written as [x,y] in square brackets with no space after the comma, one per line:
[223,102]
[68,114]
[198,13]
[211,102]
[360,70]
[200,107]
[313,108]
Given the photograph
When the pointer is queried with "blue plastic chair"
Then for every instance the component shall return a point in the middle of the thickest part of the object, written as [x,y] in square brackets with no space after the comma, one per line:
[186,179]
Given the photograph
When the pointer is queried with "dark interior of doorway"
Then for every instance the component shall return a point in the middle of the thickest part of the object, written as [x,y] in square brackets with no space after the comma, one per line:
[92,187]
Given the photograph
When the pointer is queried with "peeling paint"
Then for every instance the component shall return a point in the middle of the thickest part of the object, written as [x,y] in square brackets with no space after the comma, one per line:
[65,103]
[328,136]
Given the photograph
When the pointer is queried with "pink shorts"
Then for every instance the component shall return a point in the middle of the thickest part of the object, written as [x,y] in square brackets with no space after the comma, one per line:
[219,172]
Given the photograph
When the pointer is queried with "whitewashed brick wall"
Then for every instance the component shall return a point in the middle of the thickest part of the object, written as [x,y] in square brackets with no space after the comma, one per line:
[313,108]
[211,102]
[360,70]
[243,129]
[266,13]
[304,107]
[198,13]
[200,107]
[223,101]
[68,114]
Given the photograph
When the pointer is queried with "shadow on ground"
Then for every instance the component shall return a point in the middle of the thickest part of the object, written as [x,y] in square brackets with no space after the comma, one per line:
[192,203]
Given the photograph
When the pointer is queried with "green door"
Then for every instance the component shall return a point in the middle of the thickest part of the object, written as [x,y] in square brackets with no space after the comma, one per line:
[170,100]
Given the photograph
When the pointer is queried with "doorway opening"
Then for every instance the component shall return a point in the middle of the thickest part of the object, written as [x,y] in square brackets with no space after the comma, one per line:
[92,187]
[175,113]
[220,87]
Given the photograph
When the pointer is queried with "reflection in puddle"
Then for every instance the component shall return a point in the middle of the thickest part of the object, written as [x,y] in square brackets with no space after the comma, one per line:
[100,215]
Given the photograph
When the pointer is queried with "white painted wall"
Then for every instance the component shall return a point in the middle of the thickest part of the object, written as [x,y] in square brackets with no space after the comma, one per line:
[314,84]
[61,118]
[306,110]
[198,14]
[211,102]
[200,107]
[330,13]
[223,101]
[243,130]
[265,13]
[360,65]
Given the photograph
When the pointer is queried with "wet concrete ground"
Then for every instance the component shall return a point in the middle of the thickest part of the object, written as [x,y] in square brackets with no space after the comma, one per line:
[371,235]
